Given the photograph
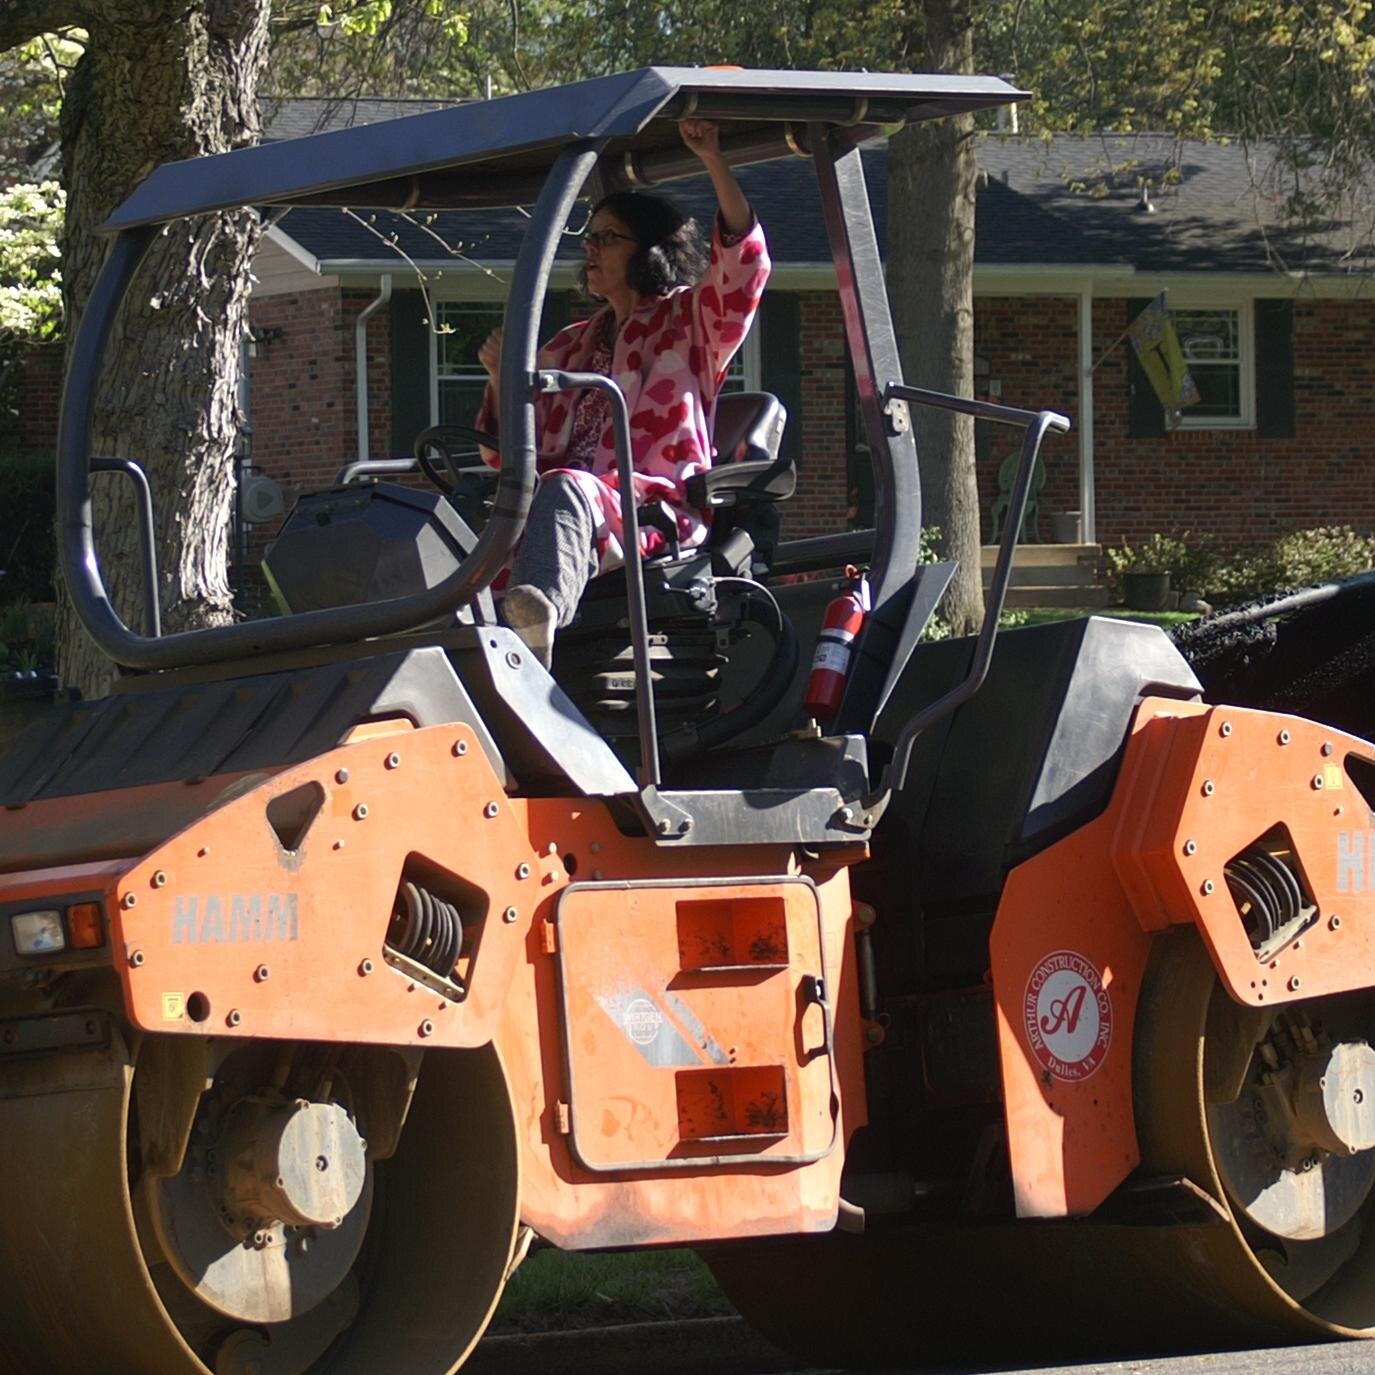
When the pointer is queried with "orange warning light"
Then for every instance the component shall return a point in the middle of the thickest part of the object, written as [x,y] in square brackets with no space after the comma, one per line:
[85,926]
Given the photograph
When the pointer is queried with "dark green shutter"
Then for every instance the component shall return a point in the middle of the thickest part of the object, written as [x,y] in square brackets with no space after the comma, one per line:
[780,361]
[1145,414]
[555,316]
[410,370]
[1275,369]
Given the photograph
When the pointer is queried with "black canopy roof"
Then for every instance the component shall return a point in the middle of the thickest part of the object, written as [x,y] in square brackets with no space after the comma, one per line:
[503,148]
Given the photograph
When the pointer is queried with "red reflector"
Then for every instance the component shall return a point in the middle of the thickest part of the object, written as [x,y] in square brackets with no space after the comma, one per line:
[85,926]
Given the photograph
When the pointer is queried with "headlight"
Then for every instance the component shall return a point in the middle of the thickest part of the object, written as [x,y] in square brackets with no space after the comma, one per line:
[38,933]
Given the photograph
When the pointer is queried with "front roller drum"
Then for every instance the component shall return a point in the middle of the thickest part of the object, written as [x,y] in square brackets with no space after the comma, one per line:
[104,1266]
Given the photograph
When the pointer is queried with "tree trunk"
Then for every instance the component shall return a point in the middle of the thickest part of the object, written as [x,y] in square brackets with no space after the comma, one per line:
[931,177]
[161,80]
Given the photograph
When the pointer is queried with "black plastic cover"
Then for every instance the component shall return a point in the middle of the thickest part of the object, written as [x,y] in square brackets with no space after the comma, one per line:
[1033,756]
[164,731]
[351,545]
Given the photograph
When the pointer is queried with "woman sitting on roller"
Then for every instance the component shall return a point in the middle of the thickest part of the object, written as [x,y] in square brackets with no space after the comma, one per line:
[673,319]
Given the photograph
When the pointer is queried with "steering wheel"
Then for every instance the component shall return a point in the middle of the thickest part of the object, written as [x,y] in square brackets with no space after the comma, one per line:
[456,447]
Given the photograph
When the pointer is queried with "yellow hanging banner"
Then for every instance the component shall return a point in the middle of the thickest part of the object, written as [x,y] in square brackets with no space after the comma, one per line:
[1157,347]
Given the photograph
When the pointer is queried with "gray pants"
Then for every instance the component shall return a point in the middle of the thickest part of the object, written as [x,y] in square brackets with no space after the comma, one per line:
[558,553]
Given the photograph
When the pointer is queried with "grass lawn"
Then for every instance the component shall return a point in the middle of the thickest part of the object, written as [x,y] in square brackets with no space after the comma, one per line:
[555,1290]
[1039,615]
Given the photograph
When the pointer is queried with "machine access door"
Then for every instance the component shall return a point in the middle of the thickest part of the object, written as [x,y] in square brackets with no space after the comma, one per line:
[696,1025]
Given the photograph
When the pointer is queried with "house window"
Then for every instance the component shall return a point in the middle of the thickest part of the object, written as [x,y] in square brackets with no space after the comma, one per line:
[1216,341]
[743,373]
[460,379]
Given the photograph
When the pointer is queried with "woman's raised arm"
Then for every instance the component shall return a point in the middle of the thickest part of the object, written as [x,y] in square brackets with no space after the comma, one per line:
[703,136]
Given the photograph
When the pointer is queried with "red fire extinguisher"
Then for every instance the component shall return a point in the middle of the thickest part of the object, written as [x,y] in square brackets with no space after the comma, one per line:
[835,647]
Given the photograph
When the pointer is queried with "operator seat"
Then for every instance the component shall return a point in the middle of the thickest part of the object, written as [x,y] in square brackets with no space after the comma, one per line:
[690,629]
[749,477]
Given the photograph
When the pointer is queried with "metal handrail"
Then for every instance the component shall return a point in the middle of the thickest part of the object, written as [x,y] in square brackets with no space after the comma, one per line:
[1036,423]
[147,536]
[375,467]
[552,381]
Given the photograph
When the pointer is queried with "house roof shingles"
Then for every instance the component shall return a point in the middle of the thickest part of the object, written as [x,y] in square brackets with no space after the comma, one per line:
[1042,202]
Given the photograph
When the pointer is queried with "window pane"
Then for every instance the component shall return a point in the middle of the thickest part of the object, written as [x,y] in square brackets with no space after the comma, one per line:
[462,328]
[1219,391]
[1207,335]
[1211,343]
[459,400]
[737,378]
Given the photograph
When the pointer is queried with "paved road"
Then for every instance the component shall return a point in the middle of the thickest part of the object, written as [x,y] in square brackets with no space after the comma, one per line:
[725,1346]
[1345,1358]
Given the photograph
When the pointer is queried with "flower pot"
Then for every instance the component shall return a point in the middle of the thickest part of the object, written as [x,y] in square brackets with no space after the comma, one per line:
[1145,591]
[1065,528]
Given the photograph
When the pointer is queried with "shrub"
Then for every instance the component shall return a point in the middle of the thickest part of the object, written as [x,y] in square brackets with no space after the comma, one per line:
[1188,559]
[1198,561]
[28,551]
[1325,553]
[1243,576]
[1157,553]
[26,639]
[937,628]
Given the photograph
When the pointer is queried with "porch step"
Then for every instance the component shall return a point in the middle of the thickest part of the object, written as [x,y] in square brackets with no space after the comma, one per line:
[1060,575]
[1043,555]
[1078,597]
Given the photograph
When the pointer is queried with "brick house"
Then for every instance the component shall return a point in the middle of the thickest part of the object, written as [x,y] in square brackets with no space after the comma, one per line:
[1066,254]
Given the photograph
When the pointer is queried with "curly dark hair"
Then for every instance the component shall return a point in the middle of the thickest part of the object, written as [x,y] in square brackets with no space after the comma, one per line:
[672,250]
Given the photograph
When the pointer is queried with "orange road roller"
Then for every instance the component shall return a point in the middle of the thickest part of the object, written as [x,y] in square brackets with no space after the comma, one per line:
[1025,998]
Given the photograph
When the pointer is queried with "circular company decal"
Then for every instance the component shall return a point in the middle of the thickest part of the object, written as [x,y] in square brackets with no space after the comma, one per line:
[1068,1016]
[642,1021]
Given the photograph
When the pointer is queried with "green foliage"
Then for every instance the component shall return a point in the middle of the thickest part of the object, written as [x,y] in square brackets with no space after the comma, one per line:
[26,639]
[1324,554]
[929,551]
[557,1290]
[32,83]
[30,261]
[427,48]
[1157,553]
[1292,75]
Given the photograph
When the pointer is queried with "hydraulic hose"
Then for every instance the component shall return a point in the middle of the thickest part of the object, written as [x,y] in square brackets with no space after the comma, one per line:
[772,687]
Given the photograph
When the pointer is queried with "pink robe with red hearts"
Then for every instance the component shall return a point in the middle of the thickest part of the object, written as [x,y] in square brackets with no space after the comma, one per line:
[669,359]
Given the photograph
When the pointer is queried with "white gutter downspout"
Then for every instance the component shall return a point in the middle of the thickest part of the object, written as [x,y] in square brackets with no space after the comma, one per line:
[360,363]
[1088,518]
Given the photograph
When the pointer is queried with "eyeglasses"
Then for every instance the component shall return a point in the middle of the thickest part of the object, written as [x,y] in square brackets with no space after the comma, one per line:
[604,238]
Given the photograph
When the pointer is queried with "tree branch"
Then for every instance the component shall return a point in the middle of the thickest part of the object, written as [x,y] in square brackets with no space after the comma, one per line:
[21,20]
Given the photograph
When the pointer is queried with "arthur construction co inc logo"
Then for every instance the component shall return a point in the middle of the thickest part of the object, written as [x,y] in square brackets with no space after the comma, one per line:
[1068,1016]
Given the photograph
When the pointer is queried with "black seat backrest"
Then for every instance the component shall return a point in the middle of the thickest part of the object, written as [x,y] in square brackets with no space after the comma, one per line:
[747,435]
[749,477]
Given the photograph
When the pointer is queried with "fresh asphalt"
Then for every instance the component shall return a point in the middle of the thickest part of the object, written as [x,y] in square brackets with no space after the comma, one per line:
[725,1346]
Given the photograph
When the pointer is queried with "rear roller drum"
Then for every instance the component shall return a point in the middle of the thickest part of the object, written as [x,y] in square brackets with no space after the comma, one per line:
[1271,1115]
[260,1207]
[1272,1111]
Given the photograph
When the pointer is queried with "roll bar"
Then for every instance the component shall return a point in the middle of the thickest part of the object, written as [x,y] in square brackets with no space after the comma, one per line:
[834,152]
[515,487]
